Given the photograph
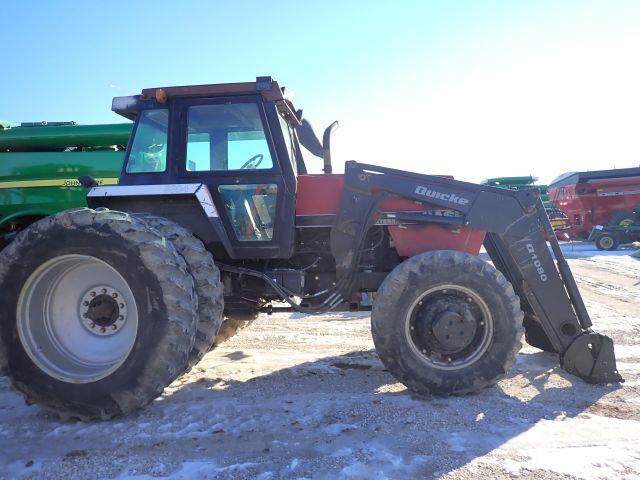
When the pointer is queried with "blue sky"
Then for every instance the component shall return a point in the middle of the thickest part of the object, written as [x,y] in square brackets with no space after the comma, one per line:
[475,89]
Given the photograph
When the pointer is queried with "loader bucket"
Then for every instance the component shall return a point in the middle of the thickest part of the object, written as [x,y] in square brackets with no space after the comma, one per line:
[591,357]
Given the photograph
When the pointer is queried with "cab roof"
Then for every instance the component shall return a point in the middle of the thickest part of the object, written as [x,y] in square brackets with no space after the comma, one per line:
[265,86]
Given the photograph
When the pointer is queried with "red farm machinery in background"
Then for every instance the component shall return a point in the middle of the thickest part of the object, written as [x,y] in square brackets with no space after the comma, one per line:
[604,197]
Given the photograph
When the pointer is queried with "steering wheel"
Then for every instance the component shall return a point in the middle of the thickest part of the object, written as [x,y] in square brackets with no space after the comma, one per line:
[253,162]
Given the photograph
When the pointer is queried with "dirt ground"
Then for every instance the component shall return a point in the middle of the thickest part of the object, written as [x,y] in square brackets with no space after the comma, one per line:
[295,396]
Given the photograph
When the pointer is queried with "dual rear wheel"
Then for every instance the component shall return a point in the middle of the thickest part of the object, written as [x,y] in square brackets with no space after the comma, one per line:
[112,308]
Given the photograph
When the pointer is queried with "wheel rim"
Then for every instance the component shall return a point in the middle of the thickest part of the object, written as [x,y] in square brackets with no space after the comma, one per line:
[449,327]
[606,242]
[77,318]
[626,222]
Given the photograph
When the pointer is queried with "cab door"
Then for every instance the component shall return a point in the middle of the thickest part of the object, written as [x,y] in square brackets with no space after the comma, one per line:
[234,145]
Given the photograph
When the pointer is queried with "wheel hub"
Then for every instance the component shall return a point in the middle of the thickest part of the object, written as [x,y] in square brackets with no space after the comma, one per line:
[449,327]
[74,334]
[103,310]
[453,330]
[606,242]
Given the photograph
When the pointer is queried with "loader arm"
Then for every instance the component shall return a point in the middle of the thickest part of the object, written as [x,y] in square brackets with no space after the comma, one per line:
[518,230]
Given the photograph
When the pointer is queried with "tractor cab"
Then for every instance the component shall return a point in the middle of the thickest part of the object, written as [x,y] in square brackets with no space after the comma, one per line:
[241,141]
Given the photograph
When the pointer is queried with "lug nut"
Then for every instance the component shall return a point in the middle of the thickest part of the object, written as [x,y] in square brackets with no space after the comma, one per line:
[92,325]
[114,295]
[412,327]
[104,290]
[114,327]
[424,351]
[93,294]
[85,303]
[121,305]
[102,329]
[121,317]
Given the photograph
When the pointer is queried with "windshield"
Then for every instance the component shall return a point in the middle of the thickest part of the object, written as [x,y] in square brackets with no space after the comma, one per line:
[226,137]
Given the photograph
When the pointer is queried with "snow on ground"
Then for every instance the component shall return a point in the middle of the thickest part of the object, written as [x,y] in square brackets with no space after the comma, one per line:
[295,396]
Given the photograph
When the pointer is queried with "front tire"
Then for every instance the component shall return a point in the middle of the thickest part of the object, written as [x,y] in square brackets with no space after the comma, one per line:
[99,313]
[445,322]
[607,242]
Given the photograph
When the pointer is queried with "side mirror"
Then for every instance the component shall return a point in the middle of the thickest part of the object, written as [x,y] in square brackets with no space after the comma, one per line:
[307,136]
[326,147]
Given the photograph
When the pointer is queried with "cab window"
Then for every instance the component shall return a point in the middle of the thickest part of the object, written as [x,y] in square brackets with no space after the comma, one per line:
[226,137]
[148,152]
[251,208]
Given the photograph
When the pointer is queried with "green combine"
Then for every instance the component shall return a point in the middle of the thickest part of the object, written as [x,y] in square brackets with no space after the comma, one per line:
[40,164]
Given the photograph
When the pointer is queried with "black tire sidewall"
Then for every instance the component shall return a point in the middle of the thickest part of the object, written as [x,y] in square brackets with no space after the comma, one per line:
[389,306]
[152,318]
[208,285]
[614,244]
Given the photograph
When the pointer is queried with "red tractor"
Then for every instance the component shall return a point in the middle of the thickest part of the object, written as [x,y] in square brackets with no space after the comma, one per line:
[215,215]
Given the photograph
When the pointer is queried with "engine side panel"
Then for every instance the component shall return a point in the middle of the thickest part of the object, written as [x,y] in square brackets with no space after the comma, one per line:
[414,239]
[321,195]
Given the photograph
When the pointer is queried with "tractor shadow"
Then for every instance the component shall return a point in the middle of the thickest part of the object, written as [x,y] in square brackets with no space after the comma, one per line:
[350,403]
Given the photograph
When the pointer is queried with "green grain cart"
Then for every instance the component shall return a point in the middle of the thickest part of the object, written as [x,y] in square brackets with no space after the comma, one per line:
[559,220]
[40,164]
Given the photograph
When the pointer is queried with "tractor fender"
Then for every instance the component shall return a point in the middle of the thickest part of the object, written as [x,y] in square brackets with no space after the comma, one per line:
[177,202]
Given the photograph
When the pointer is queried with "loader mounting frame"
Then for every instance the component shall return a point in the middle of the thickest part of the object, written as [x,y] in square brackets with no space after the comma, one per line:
[517,231]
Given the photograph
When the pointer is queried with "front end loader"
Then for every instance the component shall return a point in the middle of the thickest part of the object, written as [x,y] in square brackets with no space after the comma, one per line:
[215,215]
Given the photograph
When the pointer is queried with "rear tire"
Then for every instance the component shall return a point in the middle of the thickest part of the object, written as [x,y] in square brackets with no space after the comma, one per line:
[206,275]
[99,313]
[415,308]
[607,242]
